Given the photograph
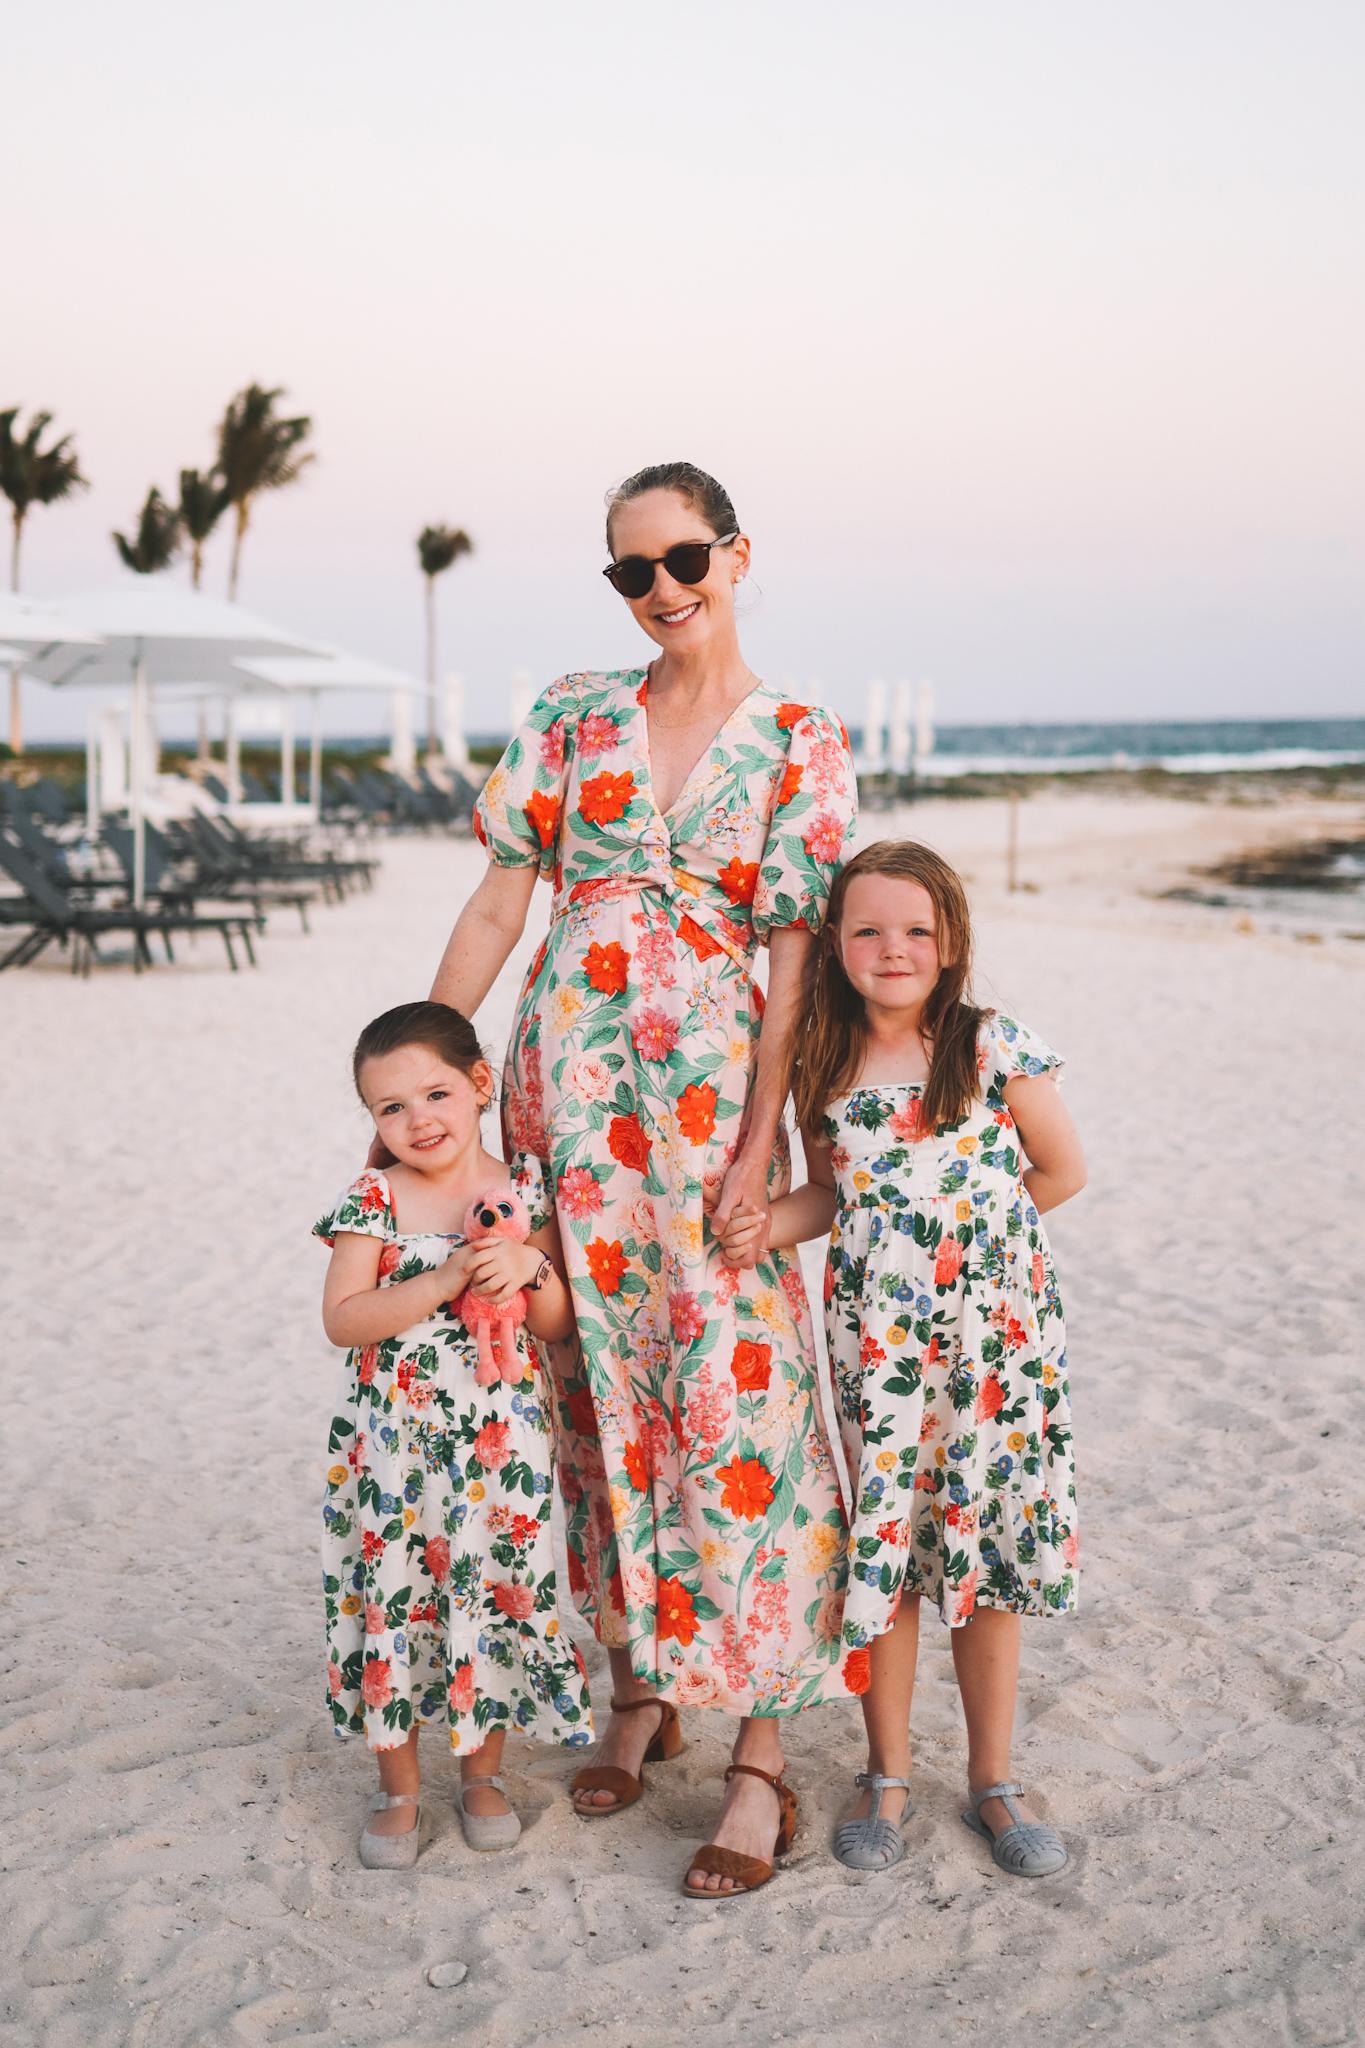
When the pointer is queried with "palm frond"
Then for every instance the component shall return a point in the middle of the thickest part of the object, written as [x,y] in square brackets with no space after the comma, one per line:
[439,546]
[31,474]
[157,540]
[257,449]
[203,501]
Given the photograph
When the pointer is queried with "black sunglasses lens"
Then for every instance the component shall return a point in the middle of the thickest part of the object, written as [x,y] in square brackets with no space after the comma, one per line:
[632,577]
[688,562]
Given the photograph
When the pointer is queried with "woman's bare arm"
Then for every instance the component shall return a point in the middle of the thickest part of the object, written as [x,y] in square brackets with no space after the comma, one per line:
[747,1180]
[485,932]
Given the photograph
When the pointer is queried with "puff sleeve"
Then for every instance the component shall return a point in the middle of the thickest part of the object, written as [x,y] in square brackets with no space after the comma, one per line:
[528,1176]
[365,1210]
[814,815]
[1009,1049]
[517,815]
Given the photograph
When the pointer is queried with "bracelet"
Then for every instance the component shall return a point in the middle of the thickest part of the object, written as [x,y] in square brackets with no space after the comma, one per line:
[542,1275]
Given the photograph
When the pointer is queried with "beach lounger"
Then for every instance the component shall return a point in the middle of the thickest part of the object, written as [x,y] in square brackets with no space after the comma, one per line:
[51,914]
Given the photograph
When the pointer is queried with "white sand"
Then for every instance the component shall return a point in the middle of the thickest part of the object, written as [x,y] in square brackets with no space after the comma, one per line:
[179,1864]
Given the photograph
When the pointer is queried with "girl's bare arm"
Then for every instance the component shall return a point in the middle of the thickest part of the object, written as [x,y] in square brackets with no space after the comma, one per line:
[357,1310]
[1056,1168]
[793,1219]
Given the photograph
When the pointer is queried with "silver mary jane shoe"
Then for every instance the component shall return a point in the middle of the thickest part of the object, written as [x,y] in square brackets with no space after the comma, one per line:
[392,1852]
[487,1830]
[873,1843]
[1026,1848]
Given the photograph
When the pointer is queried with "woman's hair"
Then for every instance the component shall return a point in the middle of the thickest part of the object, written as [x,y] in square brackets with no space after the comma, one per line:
[692,485]
[830,1042]
[435,1025]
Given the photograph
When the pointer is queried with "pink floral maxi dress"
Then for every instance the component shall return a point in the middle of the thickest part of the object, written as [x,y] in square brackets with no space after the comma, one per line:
[437,1555]
[948,1352]
[705,1527]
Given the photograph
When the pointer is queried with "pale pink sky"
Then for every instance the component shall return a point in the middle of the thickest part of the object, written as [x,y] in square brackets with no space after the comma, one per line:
[1026,339]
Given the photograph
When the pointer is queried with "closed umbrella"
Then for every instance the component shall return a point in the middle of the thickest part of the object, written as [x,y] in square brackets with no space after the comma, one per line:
[151,632]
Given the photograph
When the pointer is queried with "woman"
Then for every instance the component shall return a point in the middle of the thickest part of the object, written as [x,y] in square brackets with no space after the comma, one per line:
[685,813]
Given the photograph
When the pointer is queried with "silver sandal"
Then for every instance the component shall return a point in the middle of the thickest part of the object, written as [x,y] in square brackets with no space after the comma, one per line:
[1027,1848]
[392,1852]
[486,1830]
[873,1843]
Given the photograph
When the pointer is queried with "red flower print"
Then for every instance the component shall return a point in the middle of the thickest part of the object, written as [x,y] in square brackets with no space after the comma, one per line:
[655,1034]
[616,1592]
[606,797]
[355,1457]
[606,968]
[542,815]
[752,1366]
[1039,1273]
[701,942]
[517,1602]
[930,1353]
[627,1143]
[870,1352]
[376,1682]
[375,1622]
[1071,1548]
[686,1315]
[746,1487]
[462,1688]
[597,734]
[578,1578]
[676,1617]
[966,1598]
[552,746]
[791,782]
[697,1112]
[371,1547]
[889,1532]
[391,1256]
[480,830]
[1015,1333]
[637,1471]
[948,1263]
[436,1557]
[990,1399]
[908,1122]
[823,838]
[333,1681]
[426,1610]
[525,1529]
[606,1263]
[582,1413]
[579,1193]
[492,1448]
[366,1363]
[789,715]
[739,879]
[858,1670]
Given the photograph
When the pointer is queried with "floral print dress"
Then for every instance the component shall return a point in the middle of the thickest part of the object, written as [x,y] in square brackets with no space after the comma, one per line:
[705,1527]
[948,1352]
[437,1557]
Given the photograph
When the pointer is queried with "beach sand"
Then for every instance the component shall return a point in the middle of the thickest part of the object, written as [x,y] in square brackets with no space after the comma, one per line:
[179,1849]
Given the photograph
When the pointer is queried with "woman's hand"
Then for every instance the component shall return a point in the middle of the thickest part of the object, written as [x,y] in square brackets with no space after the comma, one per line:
[498,1266]
[745,1185]
[746,1237]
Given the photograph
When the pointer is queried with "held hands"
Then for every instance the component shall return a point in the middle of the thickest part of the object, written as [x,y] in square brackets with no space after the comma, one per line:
[744,1239]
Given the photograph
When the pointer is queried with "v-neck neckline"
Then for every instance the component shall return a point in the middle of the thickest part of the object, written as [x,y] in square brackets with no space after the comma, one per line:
[703,759]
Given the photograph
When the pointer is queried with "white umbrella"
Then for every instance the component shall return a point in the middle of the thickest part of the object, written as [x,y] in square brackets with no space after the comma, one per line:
[874,728]
[150,632]
[898,737]
[924,726]
[315,675]
[28,627]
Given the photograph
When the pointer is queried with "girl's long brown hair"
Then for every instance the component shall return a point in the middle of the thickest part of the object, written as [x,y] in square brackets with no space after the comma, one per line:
[829,1042]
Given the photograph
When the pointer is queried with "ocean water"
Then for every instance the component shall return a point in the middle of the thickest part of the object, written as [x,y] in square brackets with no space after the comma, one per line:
[1188,746]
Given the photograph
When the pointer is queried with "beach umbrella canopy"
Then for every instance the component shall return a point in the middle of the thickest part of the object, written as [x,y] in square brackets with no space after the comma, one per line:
[148,631]
[316,675]
[26,627]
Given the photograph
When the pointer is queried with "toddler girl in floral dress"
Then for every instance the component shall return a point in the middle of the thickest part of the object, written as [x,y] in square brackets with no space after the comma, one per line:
[935,1138]
[438,1568]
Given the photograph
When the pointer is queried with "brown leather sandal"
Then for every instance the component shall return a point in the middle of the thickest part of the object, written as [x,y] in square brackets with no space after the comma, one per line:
[667,1742]
[746,1873]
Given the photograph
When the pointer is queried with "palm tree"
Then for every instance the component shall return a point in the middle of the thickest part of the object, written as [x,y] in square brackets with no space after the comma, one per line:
[437,548]
[203,501]
[31,475]
[157,541]
[257,451]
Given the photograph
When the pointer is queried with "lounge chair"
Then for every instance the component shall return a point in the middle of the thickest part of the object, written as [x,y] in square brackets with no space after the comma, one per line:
[50,913]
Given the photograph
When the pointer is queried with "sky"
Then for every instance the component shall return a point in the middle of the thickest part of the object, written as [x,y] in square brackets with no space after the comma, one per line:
[1025,338]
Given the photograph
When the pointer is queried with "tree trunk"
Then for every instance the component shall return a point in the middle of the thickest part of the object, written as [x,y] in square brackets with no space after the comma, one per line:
[239,530]
[432,739]
[16,702]
[196,563]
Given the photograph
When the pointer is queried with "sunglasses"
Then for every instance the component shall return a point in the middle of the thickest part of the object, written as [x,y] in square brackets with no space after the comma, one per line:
[687,562]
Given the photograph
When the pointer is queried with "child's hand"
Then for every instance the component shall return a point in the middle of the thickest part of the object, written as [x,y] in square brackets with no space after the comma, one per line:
[454,1272]
[744,1240]
[498,1266]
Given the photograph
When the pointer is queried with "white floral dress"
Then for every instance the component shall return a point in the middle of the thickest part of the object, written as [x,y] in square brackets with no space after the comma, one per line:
[948,1351]
[438,1566]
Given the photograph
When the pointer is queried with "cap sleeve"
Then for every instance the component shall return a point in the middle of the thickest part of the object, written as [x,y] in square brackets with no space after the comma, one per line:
[812,823]
[365,1210]
[517,814]
[527,1173]
[1009,1049]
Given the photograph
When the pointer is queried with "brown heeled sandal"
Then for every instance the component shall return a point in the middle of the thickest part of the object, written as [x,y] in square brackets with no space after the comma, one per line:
[665,1743]
[746,1873]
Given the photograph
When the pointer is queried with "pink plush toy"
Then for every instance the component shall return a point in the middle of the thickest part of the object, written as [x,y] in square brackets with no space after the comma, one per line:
[497,1213]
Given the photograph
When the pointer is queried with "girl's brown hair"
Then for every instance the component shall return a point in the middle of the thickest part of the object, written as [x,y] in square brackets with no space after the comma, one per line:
[830,1044]
[442,1030]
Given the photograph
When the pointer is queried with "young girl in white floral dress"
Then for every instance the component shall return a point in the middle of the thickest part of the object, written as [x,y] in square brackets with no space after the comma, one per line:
[438,1569]
[945,1328]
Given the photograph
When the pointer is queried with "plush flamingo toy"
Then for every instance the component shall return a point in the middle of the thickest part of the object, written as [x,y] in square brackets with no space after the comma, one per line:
[497,1213]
